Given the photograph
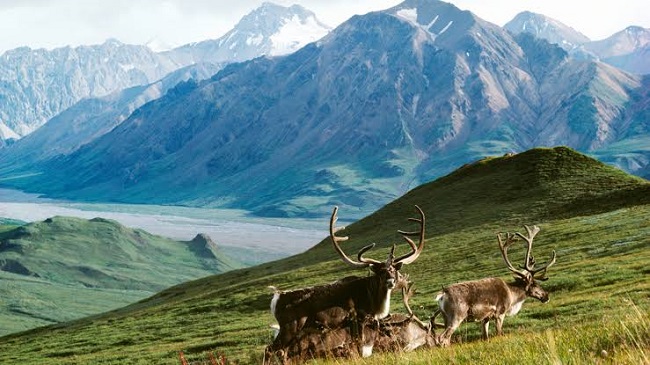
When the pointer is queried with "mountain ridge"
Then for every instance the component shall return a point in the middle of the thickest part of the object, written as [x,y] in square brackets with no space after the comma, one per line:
[356,118]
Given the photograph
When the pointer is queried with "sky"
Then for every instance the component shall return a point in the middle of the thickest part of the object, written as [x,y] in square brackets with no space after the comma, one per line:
[57,23]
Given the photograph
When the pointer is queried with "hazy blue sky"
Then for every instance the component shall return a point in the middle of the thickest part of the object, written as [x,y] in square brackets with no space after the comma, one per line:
[56,23]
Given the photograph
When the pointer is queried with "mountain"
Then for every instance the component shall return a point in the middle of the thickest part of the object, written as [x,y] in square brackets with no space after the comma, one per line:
[547,28]
[628,49]
[65,268]
[624,42]
[37,84]
[90,118]
[386,101]
[600,236]
[270,30]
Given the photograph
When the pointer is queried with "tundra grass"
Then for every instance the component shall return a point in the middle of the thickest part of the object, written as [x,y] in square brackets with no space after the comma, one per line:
[600,277]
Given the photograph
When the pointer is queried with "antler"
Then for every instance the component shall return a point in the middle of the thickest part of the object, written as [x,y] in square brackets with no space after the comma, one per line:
[415,250]
[363,262]
[529,270]
[407,293]
[529,264]
[503,246]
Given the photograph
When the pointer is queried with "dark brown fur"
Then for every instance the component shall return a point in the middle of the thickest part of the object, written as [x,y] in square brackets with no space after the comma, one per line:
[345,303]
[329,306]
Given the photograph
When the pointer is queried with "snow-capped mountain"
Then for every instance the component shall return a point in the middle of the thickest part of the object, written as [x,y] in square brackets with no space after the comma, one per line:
[270,30]
[547,28]
[621,43]
[384,102]
[628,49]
[37,84]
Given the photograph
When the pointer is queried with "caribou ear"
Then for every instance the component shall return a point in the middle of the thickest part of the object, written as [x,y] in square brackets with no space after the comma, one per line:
[397,266]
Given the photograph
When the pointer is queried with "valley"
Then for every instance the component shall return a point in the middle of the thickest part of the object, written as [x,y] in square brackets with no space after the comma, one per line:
[233,230]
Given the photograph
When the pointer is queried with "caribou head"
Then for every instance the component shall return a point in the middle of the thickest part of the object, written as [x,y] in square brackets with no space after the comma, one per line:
[527,276]
[386,272]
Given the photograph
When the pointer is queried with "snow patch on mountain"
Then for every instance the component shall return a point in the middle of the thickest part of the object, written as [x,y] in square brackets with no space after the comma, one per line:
[7,133]
[410,15]
[295,33]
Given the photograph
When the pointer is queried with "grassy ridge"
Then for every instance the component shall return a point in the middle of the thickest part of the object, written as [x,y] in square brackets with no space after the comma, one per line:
[602,243]
[65,268]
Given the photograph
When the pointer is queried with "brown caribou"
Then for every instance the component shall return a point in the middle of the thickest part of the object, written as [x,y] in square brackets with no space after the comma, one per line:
[396,332]
[346,302]
[493,298]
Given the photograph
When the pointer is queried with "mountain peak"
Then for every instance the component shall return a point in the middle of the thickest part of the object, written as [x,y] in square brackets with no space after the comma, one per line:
[270,17]
[544,27]
[270,30]
[627,41]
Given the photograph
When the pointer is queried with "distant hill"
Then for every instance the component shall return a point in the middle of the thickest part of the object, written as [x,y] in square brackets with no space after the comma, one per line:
[593,215]
[64,268]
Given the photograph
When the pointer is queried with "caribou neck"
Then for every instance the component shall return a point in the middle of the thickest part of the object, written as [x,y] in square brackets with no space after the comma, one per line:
[517,295]
[380,295]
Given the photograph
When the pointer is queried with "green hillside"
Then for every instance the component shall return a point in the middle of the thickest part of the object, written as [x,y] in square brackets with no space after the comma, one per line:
[65,268]
[595,217]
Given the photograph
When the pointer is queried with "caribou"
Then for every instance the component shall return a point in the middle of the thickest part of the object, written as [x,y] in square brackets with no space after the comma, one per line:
[396,332]
[400,332]
[347,302]
[493,298]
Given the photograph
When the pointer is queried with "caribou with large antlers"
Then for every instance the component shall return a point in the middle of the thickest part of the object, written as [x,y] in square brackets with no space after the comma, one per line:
[348,301]
[493,298]
[396,332]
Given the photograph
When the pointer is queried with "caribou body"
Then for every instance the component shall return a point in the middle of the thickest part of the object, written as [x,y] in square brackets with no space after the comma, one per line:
[493,298]
[396,332]
[347,302]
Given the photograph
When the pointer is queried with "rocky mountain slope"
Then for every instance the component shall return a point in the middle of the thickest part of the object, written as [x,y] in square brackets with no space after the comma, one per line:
[89,119]
[544,27]
[37,85]
[384,102]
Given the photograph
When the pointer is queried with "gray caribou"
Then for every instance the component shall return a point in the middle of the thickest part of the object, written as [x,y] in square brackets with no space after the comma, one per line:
[493,298]
[346,302]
